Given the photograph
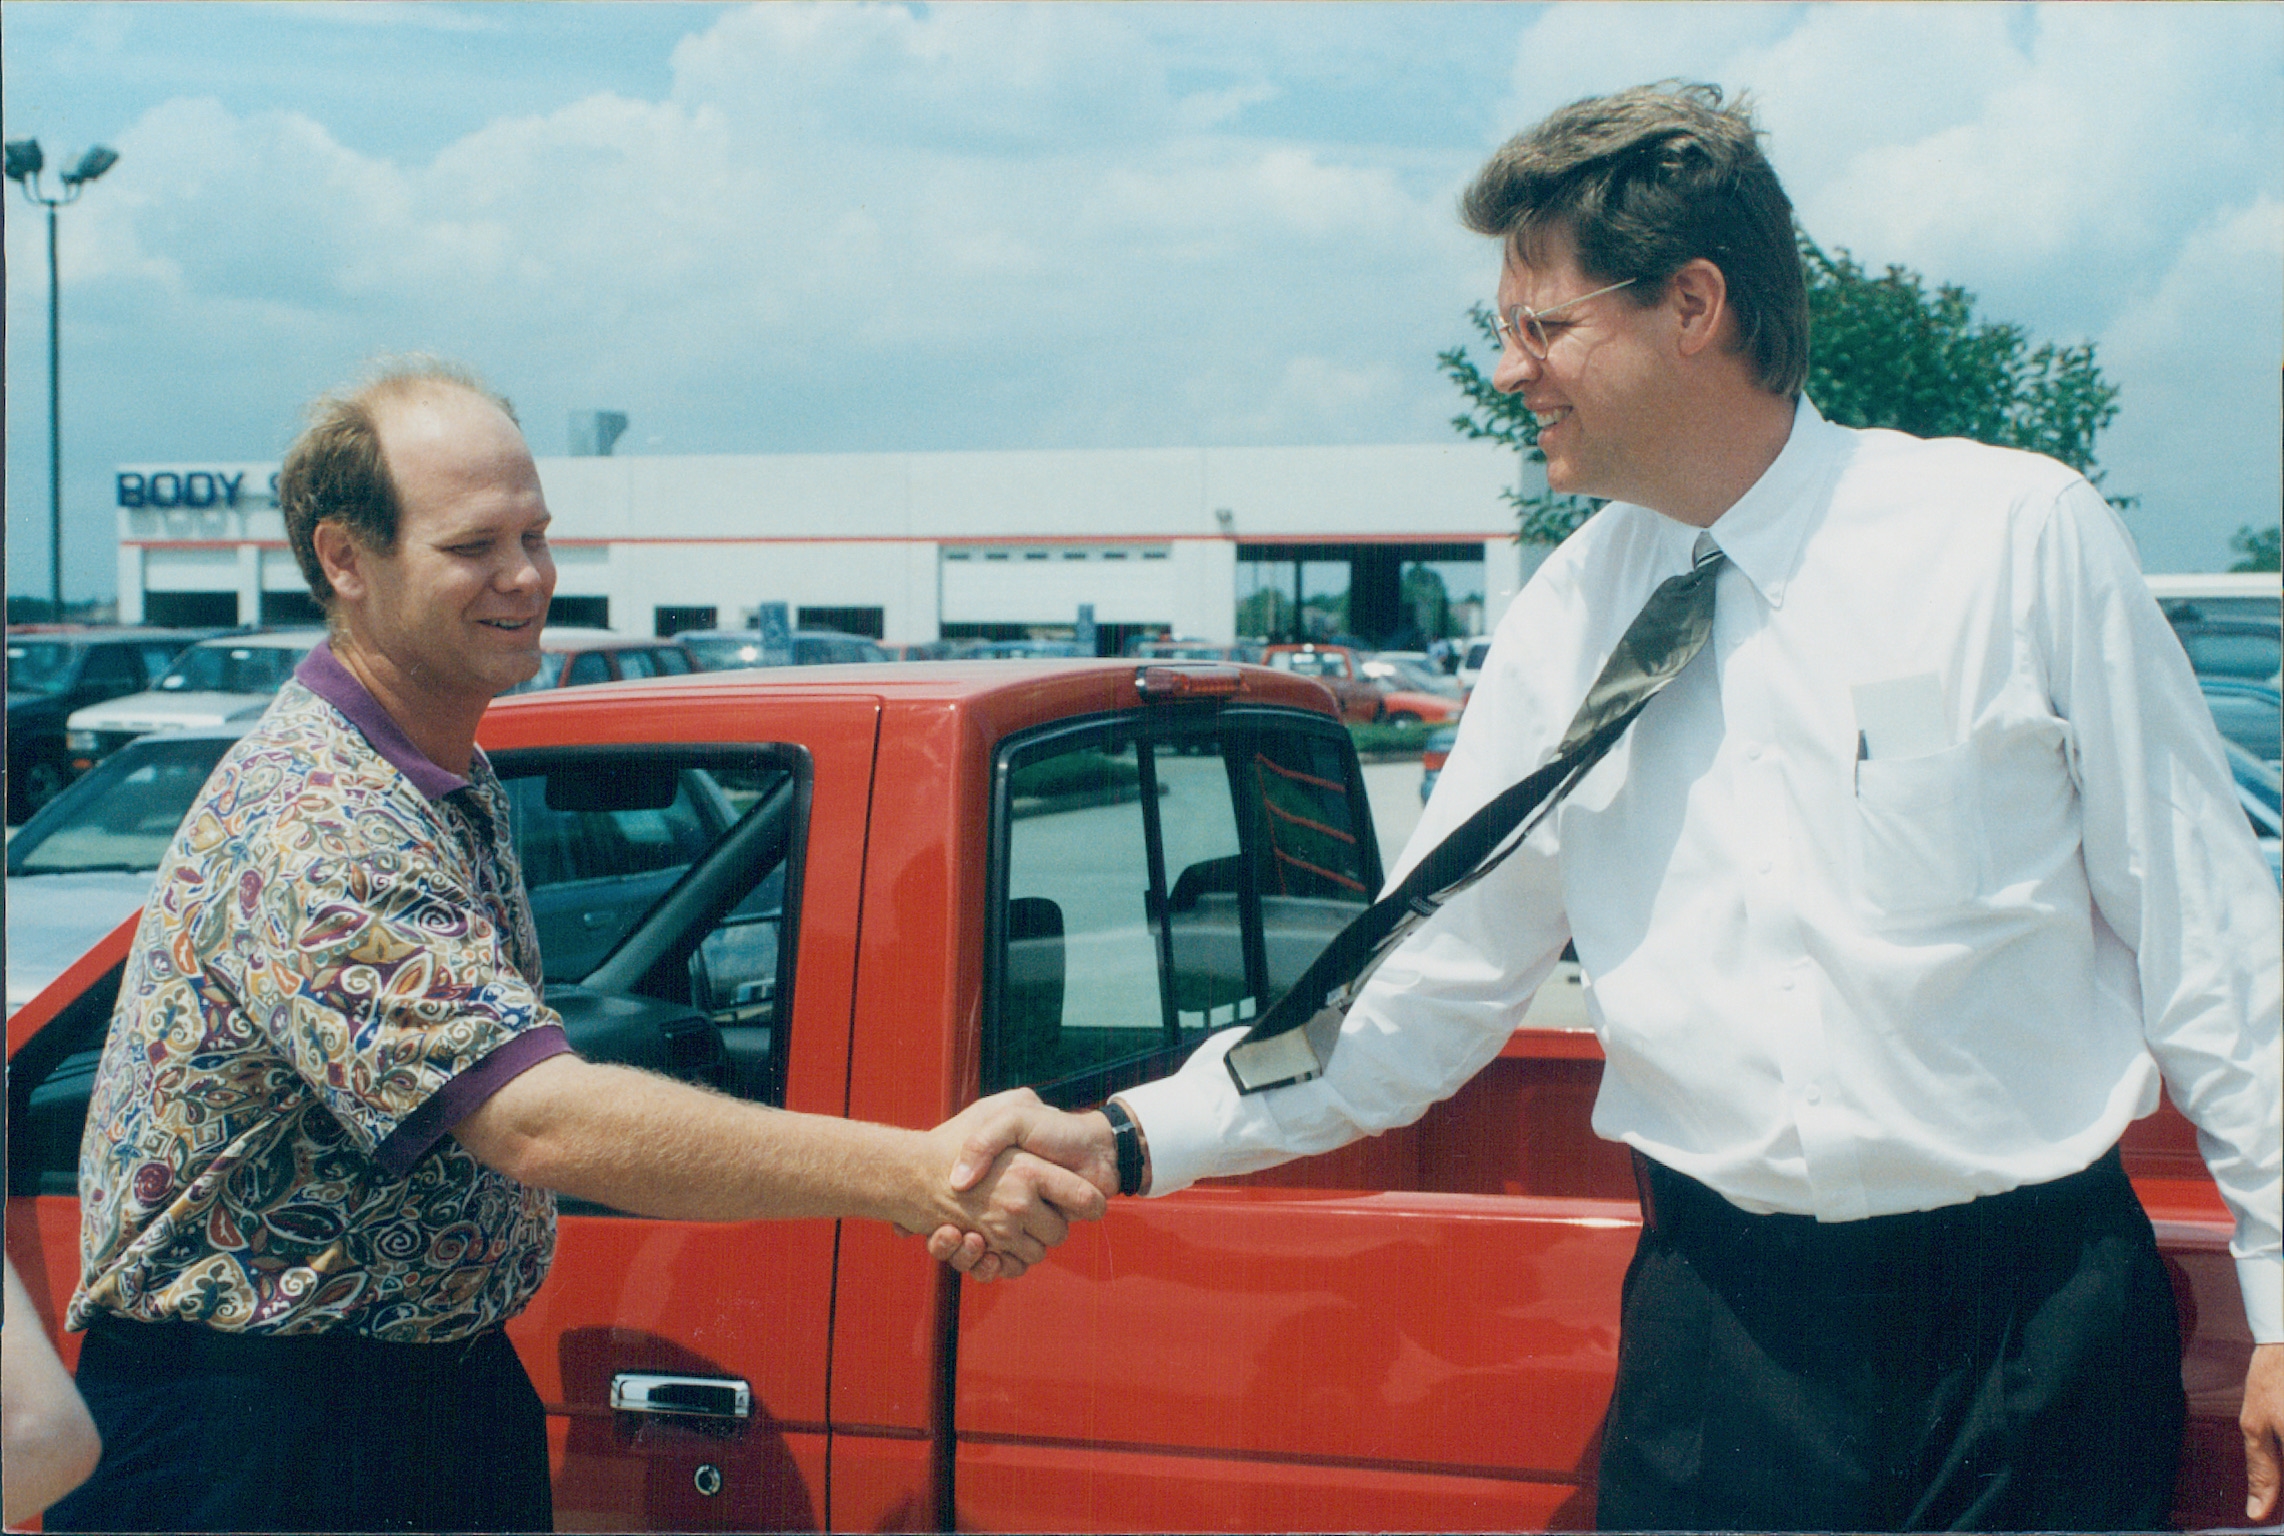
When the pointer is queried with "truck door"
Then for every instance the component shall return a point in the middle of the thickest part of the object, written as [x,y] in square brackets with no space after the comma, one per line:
[1381,1338]
[703,915]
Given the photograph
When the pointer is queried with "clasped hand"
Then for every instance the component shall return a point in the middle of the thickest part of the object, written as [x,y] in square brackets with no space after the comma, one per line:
[1019,1173]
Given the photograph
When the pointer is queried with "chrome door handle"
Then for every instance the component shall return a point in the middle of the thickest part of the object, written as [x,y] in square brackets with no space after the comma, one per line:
[710,1397]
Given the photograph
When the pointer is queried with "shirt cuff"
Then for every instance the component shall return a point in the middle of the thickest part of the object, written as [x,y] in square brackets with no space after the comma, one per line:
[2262,1281]
[1184,1118]
[463,1095]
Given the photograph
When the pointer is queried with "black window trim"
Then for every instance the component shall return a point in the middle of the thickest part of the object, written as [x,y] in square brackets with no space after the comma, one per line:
[1152,723]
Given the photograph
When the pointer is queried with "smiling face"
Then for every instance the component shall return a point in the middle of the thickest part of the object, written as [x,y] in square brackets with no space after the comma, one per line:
[452,615]
[1606,390]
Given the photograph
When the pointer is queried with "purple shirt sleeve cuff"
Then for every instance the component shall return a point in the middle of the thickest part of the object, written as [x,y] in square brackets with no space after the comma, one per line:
[463,1095]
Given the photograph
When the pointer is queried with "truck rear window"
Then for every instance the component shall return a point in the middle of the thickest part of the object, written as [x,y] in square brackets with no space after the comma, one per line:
[1160,875]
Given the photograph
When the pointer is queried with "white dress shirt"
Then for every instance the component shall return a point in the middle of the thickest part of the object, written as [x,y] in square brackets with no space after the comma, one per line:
[1825,983]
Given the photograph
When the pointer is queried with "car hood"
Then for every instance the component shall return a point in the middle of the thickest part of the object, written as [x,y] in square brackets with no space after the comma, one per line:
[167,711]
[54,919]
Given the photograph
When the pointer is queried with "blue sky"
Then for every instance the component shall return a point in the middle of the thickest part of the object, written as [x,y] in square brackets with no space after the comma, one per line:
[851,228]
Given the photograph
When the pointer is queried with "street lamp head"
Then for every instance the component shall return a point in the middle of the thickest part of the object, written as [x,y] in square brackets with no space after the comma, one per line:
[24,158]
[98,159]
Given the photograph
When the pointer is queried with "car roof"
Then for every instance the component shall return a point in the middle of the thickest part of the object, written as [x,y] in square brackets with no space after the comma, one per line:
[277,639]
[2164,584]
[570,637]
[1020,688]
[226,730]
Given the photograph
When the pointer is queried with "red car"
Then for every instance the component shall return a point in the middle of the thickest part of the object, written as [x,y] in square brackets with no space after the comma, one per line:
[881,894]
[1339,669]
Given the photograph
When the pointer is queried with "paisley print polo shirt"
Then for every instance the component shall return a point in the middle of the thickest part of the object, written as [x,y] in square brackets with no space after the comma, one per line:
[336,965]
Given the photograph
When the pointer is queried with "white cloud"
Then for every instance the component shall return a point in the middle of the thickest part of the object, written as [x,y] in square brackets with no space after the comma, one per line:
[2198,364]
[849,227]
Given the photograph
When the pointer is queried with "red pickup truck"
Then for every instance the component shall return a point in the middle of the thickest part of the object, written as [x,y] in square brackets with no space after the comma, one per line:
[880,891]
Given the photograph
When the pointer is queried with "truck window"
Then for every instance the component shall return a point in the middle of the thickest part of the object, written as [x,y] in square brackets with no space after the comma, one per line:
[665,884]
[1158,876]
[660,877]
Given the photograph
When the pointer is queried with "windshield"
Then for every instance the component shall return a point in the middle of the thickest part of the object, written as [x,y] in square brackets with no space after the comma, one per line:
[550,668]
[124,814]
[721,654]
[1410,674]
[232,669]
[38,666]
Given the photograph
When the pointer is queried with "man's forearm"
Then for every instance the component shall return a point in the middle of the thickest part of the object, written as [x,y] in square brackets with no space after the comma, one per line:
[649,1145]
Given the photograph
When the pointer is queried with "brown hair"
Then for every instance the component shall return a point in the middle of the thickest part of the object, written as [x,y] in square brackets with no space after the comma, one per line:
[1645,181]
[335,471]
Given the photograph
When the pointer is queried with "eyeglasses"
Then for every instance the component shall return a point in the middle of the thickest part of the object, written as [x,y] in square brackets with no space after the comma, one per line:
[1520,324]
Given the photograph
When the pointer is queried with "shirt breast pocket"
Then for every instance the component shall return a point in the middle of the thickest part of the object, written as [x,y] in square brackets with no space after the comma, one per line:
[1920,842]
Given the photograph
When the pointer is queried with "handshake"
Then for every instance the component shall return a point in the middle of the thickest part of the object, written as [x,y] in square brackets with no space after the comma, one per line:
[1021,1173]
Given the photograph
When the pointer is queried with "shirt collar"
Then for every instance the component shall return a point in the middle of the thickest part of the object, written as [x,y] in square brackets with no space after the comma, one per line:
[321,673]
[1762,534]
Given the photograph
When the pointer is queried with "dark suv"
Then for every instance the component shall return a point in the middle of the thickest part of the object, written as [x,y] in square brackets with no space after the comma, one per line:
[55,670]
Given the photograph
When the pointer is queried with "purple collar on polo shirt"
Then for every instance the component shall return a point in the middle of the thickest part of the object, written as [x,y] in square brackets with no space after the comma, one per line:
[321,673]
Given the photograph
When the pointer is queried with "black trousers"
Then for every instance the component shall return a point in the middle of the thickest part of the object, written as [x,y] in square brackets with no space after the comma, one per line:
[208,1431]
[2010,1363]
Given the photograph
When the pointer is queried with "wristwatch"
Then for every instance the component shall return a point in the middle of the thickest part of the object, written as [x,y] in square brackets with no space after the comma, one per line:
[1126,1137]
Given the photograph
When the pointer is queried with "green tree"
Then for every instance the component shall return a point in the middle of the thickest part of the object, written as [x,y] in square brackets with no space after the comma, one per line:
[2256,548]
[1885,352]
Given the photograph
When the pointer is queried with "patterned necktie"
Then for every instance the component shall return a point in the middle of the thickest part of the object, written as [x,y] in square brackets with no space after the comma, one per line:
[1294,1040]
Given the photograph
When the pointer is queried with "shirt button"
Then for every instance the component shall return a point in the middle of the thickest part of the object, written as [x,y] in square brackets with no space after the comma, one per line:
[1755,752]
[1814,1095]
[1789,983]
[1767,865]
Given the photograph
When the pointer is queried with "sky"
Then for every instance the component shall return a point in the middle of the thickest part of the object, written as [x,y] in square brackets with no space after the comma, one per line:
[854,228]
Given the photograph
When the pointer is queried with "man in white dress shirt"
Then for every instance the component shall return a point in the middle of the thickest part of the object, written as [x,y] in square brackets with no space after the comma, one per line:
[1918,884]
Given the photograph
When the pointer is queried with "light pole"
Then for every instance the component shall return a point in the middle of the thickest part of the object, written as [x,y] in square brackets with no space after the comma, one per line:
[24,162]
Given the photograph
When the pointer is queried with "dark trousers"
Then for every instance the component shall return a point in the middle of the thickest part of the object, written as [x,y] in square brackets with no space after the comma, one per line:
[208,1431]
[2006,1364]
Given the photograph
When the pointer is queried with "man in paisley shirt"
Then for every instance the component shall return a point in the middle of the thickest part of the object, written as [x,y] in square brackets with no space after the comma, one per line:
[333,1110]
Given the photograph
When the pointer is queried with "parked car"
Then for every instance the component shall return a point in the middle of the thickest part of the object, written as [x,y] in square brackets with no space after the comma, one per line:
[2260,790]
[84,862]
[570,657]
[229,677]
[2248,714]
[1471,664]
[937,881]
[2243,650]
[1434,755]
[1172,648]
[2241,596]
[1340,668]
[1413,691]
[53,671]
[722,650]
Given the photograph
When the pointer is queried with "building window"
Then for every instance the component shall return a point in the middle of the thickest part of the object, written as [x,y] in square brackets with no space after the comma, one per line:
[191,610]
[584,612]
[869,622]
[995,554]
[667,621]
[289,608]
[1074,554]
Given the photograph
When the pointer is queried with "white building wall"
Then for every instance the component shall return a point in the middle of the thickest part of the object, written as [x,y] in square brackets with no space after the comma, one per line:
[882,530]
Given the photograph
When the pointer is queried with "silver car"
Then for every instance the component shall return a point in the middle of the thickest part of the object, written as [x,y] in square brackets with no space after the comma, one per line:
[231,677]
[85,861]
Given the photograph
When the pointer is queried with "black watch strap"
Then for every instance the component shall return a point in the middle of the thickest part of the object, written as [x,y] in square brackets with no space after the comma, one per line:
[1126,1137]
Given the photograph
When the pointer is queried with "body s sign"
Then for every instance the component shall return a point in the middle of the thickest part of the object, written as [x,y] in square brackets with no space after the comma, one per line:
[226,486]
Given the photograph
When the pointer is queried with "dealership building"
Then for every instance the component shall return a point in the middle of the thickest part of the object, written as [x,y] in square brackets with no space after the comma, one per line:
[907,546]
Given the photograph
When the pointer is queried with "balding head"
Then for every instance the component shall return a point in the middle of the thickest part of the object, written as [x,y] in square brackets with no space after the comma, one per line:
[338,471]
